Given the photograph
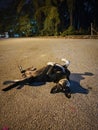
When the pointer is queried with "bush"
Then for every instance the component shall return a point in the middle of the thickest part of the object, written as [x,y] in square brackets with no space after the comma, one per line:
[69,31]
[46,33]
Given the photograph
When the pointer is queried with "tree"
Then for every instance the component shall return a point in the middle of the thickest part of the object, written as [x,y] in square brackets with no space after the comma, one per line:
[48,20]
[51,22]
[50,16]
[95,14]
[24,25]
[71,7]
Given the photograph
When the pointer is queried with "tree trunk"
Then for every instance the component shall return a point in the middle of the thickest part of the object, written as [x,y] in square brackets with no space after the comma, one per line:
[71,18]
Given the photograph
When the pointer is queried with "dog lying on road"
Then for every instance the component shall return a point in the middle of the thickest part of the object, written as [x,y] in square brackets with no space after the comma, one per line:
[52,72]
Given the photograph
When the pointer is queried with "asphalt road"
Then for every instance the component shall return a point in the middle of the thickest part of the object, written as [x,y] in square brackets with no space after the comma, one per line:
[34,107]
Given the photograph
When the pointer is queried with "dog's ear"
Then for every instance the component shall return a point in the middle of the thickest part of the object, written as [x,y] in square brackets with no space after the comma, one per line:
[54,89]
[57,88]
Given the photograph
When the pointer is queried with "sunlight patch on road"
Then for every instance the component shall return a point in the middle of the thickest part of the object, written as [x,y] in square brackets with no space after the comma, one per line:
[43,55]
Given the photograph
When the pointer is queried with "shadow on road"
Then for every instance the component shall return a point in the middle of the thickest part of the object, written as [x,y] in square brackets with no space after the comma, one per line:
[75,83]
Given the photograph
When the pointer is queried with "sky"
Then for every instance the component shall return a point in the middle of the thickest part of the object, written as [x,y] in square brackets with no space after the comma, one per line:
[4,3]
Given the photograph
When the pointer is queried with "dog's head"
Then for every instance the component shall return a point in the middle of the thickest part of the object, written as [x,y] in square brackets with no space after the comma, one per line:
[64,82]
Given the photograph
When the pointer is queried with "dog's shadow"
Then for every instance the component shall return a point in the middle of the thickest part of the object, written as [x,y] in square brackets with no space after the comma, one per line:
[75,79]
[75,82]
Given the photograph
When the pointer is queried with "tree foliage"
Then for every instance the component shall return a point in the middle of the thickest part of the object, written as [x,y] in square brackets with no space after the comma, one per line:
[48,20]
[24,25]
[49,17]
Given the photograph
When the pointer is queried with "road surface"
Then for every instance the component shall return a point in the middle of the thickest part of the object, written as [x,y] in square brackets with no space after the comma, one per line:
[34,107]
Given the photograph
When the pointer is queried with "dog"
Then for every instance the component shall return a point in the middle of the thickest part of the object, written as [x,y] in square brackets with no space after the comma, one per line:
[52,72]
